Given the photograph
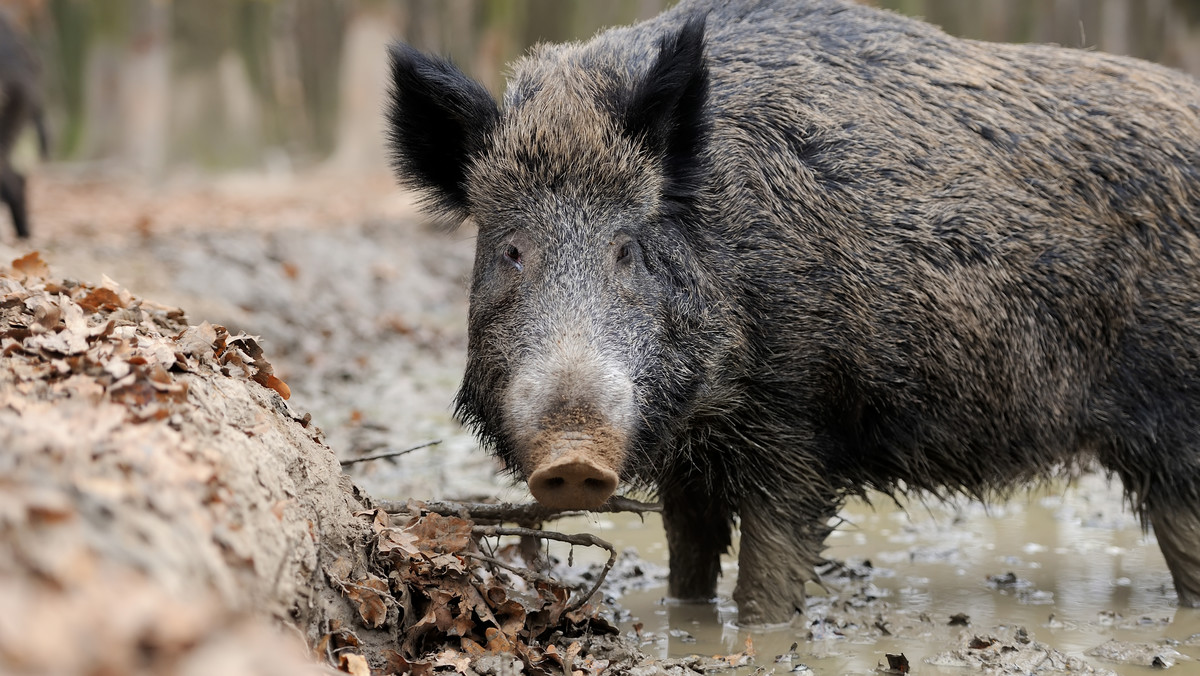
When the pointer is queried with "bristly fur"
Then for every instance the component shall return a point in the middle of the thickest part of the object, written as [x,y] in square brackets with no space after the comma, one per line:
[858,254]
[666,112]
[438,120]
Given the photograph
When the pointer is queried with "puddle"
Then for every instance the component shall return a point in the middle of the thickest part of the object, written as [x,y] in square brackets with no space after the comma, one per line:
[1070,567]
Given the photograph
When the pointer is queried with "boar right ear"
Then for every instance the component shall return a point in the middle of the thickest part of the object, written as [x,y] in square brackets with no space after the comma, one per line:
[438,120]
[666,109]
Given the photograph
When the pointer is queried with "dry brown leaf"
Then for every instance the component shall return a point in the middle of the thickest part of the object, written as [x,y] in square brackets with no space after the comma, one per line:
[122,293]
[398,664]
[447,563]
[196,341]
[274,383]
[498,643]
[395,539]
[101,299]
[46,313]
[594,666]
[355,664]
[452,658]
[471,648]
[572,653]
[443,534]
[369,594]
[451,615]
[31,265]
[739,659]
[340,570]
[380,521]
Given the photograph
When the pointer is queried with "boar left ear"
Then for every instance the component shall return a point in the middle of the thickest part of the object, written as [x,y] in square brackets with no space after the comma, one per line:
[438,120]
[666,109]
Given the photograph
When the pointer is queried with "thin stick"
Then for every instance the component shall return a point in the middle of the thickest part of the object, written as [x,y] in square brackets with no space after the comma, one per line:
[523,513]
[530,576]
[581,539]
[389,454]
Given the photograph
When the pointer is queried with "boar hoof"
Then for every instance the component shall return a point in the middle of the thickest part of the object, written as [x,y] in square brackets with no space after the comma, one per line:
[572,482]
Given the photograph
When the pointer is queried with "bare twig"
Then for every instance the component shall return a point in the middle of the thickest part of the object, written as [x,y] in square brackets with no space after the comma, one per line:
[525,513]
[389,454]
[530,576]
[580,539]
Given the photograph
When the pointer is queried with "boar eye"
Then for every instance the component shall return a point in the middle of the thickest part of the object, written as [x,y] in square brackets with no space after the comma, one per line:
[513,255]
[624,253]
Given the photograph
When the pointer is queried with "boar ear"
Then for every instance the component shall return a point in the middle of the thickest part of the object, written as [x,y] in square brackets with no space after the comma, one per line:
[666,109]
[438,120]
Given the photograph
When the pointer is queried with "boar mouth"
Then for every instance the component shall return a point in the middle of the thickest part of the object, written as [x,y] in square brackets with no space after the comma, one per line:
[575,469]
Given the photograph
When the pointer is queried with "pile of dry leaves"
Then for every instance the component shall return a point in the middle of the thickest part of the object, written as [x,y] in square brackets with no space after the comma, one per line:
[451,604]
[89,341]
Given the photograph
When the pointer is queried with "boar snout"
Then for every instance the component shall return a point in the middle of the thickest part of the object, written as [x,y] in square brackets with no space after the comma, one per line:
[577,470]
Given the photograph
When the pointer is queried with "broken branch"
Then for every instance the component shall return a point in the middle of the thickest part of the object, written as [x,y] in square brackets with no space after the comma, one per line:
[525,513]
[389,454]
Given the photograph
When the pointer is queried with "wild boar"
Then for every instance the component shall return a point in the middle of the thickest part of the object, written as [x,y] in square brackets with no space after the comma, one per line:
[762,255]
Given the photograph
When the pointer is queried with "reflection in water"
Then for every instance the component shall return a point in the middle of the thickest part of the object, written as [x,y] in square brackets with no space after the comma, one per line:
[246,83]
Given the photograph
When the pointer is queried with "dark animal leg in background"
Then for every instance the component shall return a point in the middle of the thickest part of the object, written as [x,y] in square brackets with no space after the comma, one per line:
[698,532]
[15,113]
[12,191]
[779,551]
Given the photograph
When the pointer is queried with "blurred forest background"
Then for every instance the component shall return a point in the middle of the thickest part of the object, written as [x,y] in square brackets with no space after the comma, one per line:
[280,85]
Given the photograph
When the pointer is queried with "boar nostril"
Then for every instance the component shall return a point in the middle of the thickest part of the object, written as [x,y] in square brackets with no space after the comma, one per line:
[573,482]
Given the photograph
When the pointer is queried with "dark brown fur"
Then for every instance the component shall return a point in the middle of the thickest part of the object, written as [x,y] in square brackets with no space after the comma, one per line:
[833,250]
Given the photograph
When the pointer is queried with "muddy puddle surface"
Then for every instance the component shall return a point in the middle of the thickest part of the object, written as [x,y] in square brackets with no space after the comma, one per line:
[363,312]
[1061,569]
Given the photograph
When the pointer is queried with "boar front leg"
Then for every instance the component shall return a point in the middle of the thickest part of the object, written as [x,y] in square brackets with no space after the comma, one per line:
[780,548]
[1178,531]
[698,531]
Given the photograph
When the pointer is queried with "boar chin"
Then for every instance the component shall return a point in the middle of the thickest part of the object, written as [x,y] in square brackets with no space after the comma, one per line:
[575,469]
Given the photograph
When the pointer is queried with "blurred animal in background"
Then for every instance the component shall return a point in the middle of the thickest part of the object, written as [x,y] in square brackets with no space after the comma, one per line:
[20,104]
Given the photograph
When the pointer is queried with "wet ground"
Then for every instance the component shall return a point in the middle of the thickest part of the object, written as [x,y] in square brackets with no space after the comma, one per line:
[1067,565]
[362,309]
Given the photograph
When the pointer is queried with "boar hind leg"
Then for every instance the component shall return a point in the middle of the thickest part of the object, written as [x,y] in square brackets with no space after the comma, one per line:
[780,549]
[698,532]
[1178,532]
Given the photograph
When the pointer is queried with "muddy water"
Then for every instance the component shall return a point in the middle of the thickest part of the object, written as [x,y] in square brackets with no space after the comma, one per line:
[1083,573]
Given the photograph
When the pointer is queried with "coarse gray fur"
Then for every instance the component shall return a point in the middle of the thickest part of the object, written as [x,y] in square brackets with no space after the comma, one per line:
[856,254]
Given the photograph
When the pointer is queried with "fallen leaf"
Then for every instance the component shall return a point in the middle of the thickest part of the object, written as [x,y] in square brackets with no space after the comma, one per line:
[395,539]
[452,658]
[101,299]
[444,534]
[274,383]
[497,642]
[353,663]
[31,265]
[340,570]
[369,594]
